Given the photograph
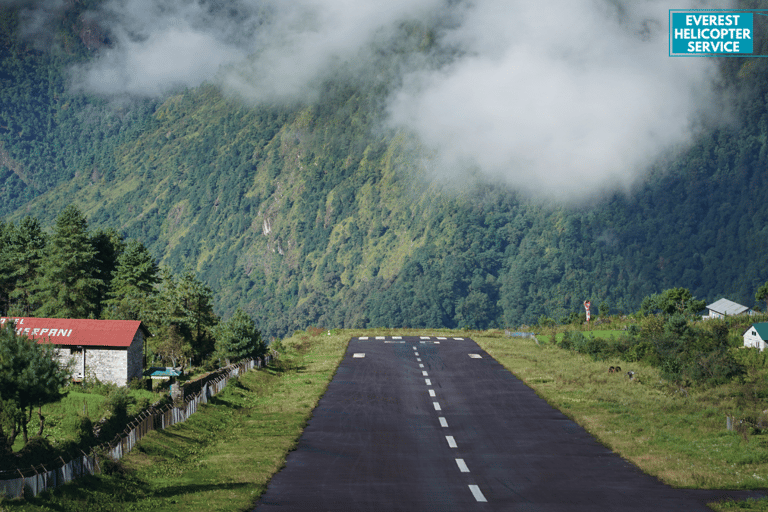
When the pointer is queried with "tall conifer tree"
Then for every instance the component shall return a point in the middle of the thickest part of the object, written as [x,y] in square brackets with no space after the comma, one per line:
[67,287]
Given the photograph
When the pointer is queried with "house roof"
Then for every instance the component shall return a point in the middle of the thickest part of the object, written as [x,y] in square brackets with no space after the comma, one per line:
[762,330]
[78,332]
[727,307]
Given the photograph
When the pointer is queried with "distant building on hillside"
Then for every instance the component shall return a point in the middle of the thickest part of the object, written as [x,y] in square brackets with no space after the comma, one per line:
[757,336]
[725,307]
[107,350]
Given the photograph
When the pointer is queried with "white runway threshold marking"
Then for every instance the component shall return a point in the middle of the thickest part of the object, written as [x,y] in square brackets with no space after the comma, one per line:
[442,338]
[443,423]
[477,493]
[451,441]
[363,338]
[424,337]
[458,338]
[388,341]
[397,337]
[462,466]
[437,406]
[359,354]
[381,337]
[475,356]
[428,381]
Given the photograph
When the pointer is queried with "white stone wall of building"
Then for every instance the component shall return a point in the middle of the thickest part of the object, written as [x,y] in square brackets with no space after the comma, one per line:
[753,340]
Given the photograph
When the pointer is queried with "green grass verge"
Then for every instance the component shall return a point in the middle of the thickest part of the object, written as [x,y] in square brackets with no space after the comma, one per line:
[223,457]
[676,435]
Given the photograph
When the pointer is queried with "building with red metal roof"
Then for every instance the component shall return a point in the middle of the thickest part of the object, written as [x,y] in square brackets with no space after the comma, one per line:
[104,350]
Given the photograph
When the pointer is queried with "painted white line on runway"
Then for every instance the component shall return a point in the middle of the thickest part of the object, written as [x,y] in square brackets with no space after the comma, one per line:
[437,406]
[422,342]
[363,338]
[397,337]
[475,356]
[421,365]
[381,337]
[418,359]
[388,341]
[359,354]
[416,354]
[424,337]
[443,423]
[437,343]
[458,338]
[477,494]
[442,338]
[451,441]
[424,373]
[414,348]
[462,466]
[428,381]
[431,392]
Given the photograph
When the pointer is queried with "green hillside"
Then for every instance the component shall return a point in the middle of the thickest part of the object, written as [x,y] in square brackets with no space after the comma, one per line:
[313,214]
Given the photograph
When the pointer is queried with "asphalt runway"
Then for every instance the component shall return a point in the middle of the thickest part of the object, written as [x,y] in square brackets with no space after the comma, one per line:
[436,424]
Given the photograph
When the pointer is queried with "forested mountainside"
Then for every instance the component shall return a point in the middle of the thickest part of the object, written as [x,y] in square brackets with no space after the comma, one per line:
[313,214]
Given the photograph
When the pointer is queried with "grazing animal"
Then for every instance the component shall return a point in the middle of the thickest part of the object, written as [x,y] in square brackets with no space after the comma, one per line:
[617,369]
[611,369]
[631,375]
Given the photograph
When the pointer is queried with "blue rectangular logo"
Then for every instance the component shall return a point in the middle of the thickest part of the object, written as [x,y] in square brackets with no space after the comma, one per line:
[722,33]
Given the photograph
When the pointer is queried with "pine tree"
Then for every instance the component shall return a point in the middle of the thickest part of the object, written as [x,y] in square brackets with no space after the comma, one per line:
[30,376]
[28,242]
[67,287]
[238,338]
[132,289]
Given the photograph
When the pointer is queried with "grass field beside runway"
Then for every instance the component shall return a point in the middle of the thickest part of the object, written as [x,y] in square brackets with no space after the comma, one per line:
[680,436]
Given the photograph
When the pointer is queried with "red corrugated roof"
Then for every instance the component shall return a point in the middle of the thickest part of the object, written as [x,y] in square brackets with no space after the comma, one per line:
[70,331]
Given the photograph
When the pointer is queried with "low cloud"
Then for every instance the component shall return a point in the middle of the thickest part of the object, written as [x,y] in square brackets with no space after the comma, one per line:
[564,99]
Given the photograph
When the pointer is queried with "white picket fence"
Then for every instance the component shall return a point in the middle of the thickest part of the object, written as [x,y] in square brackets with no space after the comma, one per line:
[33,481]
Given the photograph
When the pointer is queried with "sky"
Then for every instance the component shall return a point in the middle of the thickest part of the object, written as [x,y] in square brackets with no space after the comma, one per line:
[565,99]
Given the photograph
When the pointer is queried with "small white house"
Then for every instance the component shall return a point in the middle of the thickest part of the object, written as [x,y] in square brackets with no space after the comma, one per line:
[724,307]
[757,336]
[108,350]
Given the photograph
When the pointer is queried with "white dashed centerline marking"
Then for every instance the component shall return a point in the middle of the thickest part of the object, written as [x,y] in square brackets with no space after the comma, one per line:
[443,423]
[418,359]
[416,353]
[397,337]
[424,337]
[414,348]
[425,374]
[437,406]
[441,338]
[421,365]
[363,338]
[451,441]
[477,494]
[458,338]
[359,354]
[381,337]
[428,381]
[462,466]
[431,392]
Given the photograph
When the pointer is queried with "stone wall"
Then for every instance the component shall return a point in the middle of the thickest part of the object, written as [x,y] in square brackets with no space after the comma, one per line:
[107,364]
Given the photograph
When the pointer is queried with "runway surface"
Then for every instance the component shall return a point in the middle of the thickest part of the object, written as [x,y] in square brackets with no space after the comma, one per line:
[436,424]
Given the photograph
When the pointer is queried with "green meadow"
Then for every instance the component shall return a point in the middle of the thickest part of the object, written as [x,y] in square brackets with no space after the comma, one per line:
[223,457]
